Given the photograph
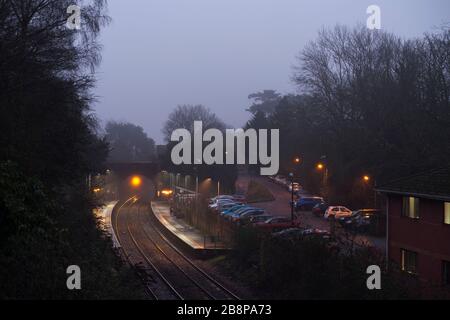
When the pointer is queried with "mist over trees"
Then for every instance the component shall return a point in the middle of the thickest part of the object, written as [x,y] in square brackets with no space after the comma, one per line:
[183,117]
[371,102]
[128,142]
[264,102]
[48,146]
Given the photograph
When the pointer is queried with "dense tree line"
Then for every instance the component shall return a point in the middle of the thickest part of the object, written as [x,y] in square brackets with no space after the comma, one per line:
[370,103]
[48,146]
[129,142]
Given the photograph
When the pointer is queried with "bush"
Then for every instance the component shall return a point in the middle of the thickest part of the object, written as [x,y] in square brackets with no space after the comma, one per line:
[40,238]
[313,268]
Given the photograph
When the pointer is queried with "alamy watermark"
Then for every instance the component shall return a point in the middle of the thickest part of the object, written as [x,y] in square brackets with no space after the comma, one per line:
[235,151]
[74,280]
[374,19]
[74,20]
[374,280]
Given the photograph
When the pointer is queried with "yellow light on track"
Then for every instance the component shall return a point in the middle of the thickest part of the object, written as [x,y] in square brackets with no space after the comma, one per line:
[167,192]
[136,181]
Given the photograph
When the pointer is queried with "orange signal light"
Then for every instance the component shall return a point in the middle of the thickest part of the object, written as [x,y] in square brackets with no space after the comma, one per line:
[136,181]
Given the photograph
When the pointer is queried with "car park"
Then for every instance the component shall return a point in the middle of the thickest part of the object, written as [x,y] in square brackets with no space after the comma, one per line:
[217,204]
[234,209]
[226,206]
[259,218]
[361,220]
[238,213]
[337,212]
[229,213]
[277,223]
[298,233]
[319,209]
[247,214]
[215,199]
[307,203]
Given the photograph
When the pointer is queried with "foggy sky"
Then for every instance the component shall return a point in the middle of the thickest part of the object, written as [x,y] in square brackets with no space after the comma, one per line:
[161,53]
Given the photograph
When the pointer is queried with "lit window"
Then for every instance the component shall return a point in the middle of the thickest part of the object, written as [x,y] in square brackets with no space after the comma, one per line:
[411,207]
[409,261]
[447,212]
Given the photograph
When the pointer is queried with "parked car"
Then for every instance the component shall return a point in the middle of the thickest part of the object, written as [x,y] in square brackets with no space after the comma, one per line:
[277,223]
[319,209]
[220,202]
[307,203]
[300,233]
[337,212]
[259,218]
[214,199]
[227,205]
[361,220]
[235,197]
[247,215]
[239,212]
[229,213]
[294,185]
[233,209]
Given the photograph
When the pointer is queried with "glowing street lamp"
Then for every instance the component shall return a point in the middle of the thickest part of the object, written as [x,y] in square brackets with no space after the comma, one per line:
[320,166]
[297,160]
[366,178]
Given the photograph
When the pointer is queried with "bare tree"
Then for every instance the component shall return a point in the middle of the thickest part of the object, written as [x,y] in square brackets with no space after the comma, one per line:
[183,117]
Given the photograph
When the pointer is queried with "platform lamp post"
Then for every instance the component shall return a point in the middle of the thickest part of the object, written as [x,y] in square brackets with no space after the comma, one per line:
[297,162]
[218,187]
[196,194]
[291,175]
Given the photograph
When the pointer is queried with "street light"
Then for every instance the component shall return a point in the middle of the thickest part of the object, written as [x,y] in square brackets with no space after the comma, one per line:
[366,179]
[322,167]
[297,160]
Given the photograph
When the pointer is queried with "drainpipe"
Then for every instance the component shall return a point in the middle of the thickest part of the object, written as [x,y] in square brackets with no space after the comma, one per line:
[387,232]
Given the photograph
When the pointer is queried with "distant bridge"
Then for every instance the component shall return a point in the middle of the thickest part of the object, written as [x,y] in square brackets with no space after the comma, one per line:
[147,169]
[125,171]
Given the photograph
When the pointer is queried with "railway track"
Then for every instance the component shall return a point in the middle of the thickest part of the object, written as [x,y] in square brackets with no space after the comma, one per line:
[172,274]
[157,286]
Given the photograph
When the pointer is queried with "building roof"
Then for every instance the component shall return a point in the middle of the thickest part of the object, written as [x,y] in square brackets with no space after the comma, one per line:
[433,184]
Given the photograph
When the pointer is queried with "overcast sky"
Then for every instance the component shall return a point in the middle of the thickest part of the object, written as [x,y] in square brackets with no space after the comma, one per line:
[162,53]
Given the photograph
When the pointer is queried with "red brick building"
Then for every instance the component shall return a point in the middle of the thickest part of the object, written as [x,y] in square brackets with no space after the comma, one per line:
[418,224]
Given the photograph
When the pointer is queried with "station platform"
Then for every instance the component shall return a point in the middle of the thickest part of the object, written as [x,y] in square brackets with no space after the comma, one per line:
[104,214]
[189,237]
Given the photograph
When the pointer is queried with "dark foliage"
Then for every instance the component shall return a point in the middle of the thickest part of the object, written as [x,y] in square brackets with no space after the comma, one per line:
[48,147]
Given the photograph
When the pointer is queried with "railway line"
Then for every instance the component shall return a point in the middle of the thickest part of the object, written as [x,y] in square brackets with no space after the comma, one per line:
[167,273]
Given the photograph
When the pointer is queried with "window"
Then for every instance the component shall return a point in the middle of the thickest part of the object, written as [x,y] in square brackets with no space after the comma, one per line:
[409,261]
[410,207]
[447,212]
[446,272]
